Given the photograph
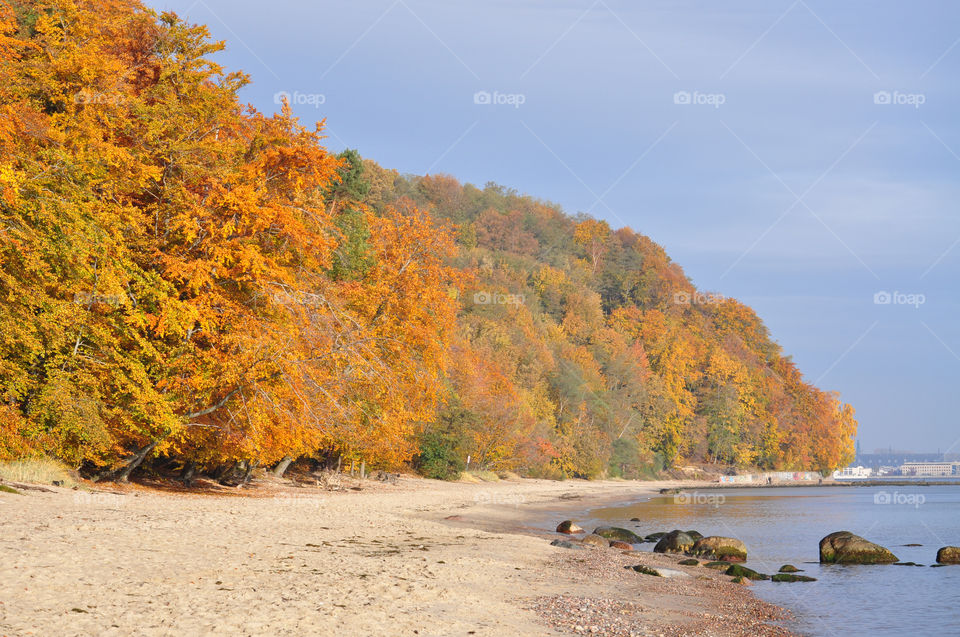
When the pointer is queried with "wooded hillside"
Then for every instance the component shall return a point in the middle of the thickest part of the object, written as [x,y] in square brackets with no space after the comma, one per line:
[185,281]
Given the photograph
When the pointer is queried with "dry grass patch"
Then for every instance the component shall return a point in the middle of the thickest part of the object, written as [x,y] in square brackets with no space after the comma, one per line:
[36,471]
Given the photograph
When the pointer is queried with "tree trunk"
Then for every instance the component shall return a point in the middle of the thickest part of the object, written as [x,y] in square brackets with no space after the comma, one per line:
[282,466]
[122,474]
[249,472]
[225,472]
[189,470]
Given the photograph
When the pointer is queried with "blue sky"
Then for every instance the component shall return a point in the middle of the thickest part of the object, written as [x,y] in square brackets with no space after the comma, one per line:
[801,156]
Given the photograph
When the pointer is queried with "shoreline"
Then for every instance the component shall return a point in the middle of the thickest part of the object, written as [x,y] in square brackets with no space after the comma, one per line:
[913,482]
[416,557]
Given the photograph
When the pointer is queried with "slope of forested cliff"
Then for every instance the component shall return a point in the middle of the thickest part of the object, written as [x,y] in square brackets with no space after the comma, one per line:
[585,350]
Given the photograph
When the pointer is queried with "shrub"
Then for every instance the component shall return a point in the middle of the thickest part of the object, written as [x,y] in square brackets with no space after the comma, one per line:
[438,458]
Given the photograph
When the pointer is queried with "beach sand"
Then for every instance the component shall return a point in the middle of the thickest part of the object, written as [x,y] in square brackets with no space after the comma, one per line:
[415,557]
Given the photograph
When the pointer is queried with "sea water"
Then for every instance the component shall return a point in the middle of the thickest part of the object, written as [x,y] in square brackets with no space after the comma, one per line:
[785,525]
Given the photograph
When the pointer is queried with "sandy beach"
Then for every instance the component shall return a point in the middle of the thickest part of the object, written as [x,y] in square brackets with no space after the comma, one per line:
[414,557]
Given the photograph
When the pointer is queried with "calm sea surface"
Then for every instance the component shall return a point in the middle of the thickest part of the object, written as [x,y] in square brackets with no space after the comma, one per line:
[784,526]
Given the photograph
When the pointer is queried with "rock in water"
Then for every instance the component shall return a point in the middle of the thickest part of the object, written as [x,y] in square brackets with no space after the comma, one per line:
[789,568]
[674,542]
[738,570]
[843,547]
[617,533]
[790,577]
[696,535]
[669,572]
[949,555]
[654,537]
[595,540]
[617,544]
[717,566]
[567,526]
[725,549]
[658,572]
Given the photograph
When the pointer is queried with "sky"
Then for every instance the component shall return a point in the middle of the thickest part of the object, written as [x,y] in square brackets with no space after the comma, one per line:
[799,155]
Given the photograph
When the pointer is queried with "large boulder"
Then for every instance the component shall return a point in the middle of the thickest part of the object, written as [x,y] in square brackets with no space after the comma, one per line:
[617,533]
[567,526]
[949,555]
[724,549]
[843,547]
[674,542]
[595,540]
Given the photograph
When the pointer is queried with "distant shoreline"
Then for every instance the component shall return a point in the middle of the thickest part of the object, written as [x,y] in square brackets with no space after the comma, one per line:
[835,483]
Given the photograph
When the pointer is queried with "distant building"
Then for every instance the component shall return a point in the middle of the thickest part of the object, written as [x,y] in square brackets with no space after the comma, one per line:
[930,469]
[849,473]
[898,459]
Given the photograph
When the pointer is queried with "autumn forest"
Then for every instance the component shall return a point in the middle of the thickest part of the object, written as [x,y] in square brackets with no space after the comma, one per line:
[190,284]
